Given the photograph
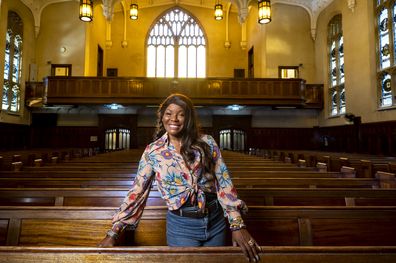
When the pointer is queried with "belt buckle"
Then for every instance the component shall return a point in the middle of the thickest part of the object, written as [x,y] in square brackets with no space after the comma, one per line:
[202,213]
[205,211]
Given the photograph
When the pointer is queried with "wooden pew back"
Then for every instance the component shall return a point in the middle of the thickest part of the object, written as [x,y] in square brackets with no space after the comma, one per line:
[273,226]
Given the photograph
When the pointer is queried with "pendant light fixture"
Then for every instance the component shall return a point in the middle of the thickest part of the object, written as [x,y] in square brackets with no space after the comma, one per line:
[133,11]
[218,13]
[264,11]
[86,10]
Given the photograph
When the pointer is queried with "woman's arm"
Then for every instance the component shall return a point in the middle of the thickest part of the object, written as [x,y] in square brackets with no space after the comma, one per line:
[232,206]
[131,209]
[226,191]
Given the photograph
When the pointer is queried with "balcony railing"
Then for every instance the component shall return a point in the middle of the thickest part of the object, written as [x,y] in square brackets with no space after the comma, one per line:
[208,91]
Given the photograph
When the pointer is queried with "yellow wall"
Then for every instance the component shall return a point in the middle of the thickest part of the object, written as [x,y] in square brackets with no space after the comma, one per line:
[95,36]
[289,41]
[27,53]
[286,41]
[256,39]
[55,33]
[131,61]
[360,62]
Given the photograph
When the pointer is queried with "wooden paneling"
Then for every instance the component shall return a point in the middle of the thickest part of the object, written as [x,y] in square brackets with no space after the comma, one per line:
[13,136]
[63,136]
[3,231]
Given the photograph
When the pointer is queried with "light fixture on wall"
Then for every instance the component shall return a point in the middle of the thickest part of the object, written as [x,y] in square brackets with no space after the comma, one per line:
[264,11]
[86,10]
[218,13]
[133,11]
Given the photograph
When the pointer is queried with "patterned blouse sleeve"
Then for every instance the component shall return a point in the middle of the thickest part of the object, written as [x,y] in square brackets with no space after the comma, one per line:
[226,192]
[131,209]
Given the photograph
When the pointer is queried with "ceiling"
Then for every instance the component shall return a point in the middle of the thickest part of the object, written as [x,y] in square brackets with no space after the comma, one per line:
[313,7]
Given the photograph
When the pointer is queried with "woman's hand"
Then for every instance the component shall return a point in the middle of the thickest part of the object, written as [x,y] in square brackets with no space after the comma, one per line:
[108,242]
[250,248]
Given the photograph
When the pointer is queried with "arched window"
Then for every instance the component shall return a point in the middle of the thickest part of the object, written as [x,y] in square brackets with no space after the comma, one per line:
[176,47]
[13,64]
[117,139]
[231,139]
[386,49]
[336,66]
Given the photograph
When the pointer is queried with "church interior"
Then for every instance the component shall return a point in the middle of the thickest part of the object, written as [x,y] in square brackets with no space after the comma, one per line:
[283,86]
[239,59]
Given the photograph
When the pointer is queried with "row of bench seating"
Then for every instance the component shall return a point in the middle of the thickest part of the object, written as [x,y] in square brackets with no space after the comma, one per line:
[365,165]
[112,197]
[276,216]
[270,225]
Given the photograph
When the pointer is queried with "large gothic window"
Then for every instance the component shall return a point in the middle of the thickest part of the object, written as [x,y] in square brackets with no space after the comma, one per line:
[11,99]
[386,49]
[336,66]
[176,47]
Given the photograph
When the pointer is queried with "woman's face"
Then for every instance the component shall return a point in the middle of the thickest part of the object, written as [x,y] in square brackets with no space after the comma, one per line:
[173,120]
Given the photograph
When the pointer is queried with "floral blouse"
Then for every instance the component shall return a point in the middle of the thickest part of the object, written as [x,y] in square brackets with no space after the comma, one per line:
[177,182]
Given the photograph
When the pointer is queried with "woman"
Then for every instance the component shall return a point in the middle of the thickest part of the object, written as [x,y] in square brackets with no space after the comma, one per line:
[193,180]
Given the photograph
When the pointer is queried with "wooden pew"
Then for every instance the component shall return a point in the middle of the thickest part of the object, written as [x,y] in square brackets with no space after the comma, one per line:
[11,182]
[158,254]
[105,197]
[335,160]
[130,175]
[27,157]
[271,226]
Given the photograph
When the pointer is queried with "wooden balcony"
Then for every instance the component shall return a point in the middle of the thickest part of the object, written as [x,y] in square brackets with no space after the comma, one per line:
[208,91]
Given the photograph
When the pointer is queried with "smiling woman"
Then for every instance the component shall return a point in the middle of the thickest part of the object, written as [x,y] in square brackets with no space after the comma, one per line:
[173,121]
[194,182]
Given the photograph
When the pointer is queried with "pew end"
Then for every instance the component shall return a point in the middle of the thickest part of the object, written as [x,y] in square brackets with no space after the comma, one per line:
[386,180]
[16,166]
[38,162]
[322,167]
[54,159]
[302,163]
[348,172]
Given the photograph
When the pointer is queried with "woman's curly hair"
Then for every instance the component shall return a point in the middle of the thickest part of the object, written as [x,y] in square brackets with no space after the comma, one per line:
[191,135]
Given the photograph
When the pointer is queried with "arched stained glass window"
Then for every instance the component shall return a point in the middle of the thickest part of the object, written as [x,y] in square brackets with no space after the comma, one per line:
[336,66]
[176,47]
[386,50]
[11,99]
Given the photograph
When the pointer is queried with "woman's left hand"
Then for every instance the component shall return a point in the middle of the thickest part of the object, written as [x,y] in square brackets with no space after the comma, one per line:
[249,246]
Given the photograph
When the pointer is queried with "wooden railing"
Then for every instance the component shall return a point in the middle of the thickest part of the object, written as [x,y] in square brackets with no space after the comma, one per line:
[208,91]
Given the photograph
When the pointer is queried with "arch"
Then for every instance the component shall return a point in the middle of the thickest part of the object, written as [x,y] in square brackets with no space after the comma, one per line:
[176,46]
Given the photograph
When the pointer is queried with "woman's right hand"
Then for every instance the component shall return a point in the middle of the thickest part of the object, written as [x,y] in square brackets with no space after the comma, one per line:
[108,242]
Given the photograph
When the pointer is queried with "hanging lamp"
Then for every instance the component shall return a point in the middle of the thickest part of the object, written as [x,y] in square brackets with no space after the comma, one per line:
[133,11]
[218,13]
[86,10]
[264,11]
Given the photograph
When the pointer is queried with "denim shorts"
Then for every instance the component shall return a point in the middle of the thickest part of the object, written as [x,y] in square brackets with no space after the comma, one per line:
[207,231]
